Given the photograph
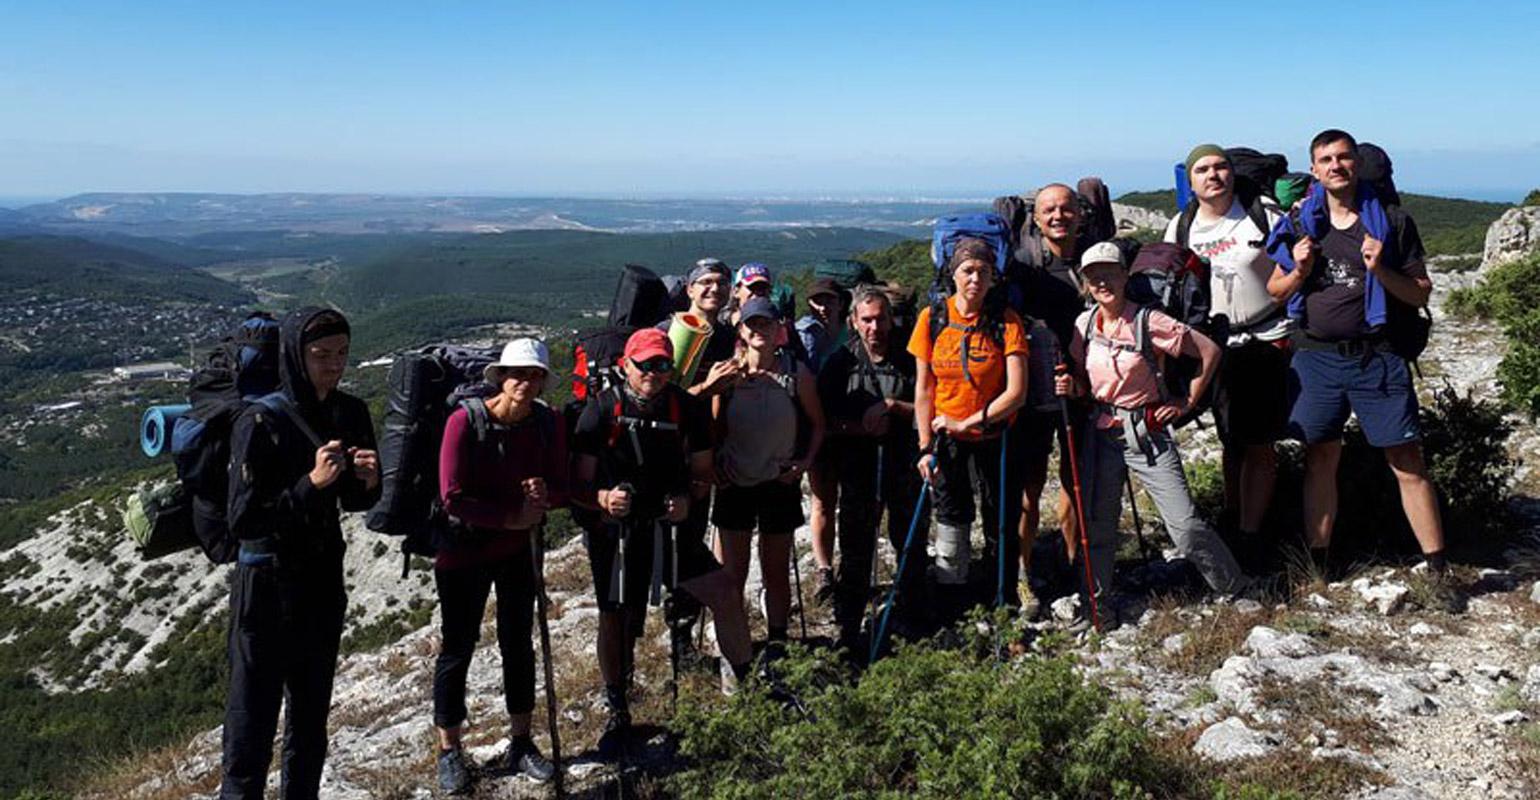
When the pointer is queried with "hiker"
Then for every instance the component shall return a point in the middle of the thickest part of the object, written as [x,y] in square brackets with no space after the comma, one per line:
[1131,423]
[497,483]
[707,285]
[1354,277]
[1052,293]
[969,382]
[641,450]
[752,280]
[1251,402]
[867,389]
[759,466]
[822,331]
[290,472]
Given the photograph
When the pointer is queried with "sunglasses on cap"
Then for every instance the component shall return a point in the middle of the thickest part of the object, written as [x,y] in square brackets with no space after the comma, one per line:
[654,365]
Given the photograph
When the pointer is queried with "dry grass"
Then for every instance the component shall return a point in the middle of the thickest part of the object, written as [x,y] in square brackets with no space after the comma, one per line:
[161,774]
[1317,705]
[1289,768]
[1210,640]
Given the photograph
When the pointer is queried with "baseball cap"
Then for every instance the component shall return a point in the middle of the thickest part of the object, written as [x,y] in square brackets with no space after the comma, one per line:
[758,307]
[1103,253]
[823,286]
[519,353]
[752,273]
[649,343]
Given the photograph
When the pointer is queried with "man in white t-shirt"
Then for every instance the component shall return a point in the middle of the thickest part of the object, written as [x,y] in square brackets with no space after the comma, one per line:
[1251,405]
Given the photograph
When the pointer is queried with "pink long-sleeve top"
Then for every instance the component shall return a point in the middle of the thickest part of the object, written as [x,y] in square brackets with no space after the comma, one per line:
[480,483]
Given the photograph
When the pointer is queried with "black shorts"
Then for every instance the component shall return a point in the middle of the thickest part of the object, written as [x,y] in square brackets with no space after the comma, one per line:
[1252,404]
[769,507]
[1032,441]
[644,543]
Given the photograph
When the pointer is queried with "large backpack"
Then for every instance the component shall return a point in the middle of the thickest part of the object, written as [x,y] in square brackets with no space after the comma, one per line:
[846,273]
[240,370]
[1097,221]
[641,298]
[425,388]
[1174,280]
[1256,178]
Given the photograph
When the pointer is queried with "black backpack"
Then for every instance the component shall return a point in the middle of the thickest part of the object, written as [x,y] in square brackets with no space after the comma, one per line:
[1174,280]
[241,370]
[425,388]
[641,298]
[1256,178]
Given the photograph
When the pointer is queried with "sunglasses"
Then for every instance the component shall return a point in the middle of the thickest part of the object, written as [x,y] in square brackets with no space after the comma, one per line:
[654,365]
[523,374]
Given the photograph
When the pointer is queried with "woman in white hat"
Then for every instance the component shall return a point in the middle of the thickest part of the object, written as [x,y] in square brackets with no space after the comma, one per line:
[503,464]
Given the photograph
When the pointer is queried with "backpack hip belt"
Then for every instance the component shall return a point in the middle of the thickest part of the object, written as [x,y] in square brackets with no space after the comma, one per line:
[1137,429]
[1362,348]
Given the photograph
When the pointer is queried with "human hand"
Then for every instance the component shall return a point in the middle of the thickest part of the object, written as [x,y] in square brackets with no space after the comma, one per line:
[1373,251]
[330,462]
[926,465]
[366,465]
[615,502]
[1166,413]
[1304,255]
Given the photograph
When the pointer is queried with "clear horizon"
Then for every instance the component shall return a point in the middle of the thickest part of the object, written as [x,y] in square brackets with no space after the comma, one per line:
[694,100]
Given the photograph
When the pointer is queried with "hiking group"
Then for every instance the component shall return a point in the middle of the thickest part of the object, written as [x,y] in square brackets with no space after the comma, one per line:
[1281,307]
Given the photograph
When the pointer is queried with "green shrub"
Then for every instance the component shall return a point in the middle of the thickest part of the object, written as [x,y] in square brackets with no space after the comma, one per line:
[1532,199]
[1519,372]
[1206,483]
[926,723]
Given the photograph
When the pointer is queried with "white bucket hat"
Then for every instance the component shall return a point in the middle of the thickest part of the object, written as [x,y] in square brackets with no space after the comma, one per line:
[520,353]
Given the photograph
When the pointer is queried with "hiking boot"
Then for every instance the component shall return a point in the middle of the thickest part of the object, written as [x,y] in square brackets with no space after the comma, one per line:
[1444,595]
[1030,605]
[615,740]
[454,777]
[823,581]
[524,757]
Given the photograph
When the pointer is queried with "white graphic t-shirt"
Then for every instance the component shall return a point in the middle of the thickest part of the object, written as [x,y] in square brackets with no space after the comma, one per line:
[1240,268]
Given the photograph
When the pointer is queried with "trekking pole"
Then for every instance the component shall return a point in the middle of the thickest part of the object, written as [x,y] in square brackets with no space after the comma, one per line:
[1000,542]
[543,602]
[898,577]
[796,573]
[673,641]
[1133,506]
[1074,475]
[871,581]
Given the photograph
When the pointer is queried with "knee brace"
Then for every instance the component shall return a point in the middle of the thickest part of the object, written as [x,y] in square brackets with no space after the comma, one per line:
[954,550]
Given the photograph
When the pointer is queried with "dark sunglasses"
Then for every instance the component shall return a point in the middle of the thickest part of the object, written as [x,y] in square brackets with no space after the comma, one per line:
[659,364]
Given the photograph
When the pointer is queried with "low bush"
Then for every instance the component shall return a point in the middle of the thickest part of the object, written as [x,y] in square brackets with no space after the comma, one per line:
[927,723]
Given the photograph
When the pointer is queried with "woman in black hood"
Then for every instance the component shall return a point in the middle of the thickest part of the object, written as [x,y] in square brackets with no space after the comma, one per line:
[295,457]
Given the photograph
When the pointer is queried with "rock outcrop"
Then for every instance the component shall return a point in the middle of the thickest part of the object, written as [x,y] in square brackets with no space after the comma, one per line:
[1513,236]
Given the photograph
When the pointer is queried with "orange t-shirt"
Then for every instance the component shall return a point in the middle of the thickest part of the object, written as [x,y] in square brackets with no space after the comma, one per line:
[956,395]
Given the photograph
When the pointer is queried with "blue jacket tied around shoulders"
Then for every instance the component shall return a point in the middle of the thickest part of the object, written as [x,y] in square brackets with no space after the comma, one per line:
[1315,222]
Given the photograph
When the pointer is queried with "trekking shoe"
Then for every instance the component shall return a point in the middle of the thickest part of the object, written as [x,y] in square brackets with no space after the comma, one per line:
[1030,605]
[524,757]
[454,777]
[1444,595]
[615,740]
[823,595]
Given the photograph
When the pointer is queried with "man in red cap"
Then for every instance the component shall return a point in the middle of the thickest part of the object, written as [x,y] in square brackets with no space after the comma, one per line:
[642,451]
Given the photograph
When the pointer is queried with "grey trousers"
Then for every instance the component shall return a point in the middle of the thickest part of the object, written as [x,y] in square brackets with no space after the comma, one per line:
[1105,465]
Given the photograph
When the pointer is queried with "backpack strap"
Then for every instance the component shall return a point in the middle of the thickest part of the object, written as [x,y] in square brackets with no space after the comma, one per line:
[280,405]
[476,414]
[1257,211]
[1146,348]
[1184,222]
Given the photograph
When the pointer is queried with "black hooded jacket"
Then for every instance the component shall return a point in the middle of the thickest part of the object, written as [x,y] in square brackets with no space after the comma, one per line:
[271,457]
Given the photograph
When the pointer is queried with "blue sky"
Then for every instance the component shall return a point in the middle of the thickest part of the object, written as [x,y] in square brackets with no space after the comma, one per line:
[681,99]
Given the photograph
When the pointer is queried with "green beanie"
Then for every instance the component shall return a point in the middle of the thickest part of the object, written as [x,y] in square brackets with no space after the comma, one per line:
[1203,150]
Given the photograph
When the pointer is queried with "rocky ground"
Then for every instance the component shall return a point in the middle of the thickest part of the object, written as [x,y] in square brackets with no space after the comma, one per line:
[1354,677]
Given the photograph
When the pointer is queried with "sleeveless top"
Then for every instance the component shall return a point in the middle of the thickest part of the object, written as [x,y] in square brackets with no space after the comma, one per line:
[761,427]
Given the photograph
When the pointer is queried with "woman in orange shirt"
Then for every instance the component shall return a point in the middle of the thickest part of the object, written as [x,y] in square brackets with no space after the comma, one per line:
[970,378]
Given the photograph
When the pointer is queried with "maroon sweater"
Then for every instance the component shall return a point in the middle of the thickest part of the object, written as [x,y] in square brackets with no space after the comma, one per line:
[481,482]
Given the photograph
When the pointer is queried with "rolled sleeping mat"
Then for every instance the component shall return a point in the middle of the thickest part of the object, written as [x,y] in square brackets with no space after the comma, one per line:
[155,428]
[689,334]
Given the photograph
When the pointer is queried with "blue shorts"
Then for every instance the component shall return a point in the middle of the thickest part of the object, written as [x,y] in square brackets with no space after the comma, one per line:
[1328,385]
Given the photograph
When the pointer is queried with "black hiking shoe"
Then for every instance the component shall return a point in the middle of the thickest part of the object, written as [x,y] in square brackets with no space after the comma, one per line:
[615,741]
[1445,595]
[524,757]
[823,594]
[454,777]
